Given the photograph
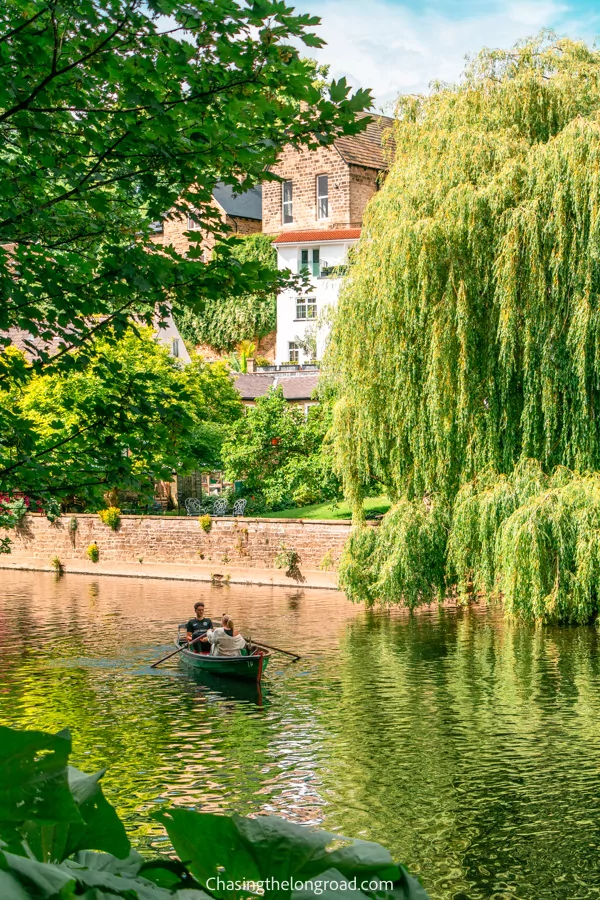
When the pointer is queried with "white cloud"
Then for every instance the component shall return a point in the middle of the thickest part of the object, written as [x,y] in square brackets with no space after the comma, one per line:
[393,49]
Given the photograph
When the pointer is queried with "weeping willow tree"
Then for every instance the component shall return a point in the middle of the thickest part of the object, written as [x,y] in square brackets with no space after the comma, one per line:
[467,334]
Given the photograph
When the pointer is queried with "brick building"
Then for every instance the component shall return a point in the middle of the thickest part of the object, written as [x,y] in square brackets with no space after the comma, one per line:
[316,215]
[241,212]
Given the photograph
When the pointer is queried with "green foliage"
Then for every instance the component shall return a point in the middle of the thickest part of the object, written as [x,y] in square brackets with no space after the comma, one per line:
[466,339]
[401,561]
[327,563]
[533,540]
[466,335]
[282,456]
[110,118]
[52,817]
[57,566]
[289,559]
[46,806]
[127,419]
[110,517]
[93,553]
[228,319]
[205,522]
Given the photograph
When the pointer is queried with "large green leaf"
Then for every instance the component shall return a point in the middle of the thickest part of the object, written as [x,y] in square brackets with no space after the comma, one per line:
[41,880]
[54,807]
[278,853]
[102,829]
[10,888]
[330,885]
[212,847]
[34,782]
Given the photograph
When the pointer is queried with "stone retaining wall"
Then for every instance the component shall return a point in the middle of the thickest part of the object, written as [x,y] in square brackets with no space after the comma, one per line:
[241,543]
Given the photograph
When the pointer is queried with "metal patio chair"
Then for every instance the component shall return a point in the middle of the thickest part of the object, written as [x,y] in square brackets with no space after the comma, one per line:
[193,506]
[239,507]
[220,507]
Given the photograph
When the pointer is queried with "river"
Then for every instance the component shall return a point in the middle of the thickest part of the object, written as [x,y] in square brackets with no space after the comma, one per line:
[468,746]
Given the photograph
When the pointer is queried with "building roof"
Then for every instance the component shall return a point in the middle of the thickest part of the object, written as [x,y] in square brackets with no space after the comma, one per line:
[365,149]
[246,205]
[33,347]
[295,385]
[318,236]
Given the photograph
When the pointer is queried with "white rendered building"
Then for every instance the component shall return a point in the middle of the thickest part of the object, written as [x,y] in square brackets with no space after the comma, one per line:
[315,214]
[303,319]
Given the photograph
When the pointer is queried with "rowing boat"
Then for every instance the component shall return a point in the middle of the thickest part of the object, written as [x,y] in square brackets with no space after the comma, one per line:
[247,668]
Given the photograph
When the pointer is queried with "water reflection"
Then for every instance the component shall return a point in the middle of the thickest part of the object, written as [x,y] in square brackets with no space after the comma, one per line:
[469,747]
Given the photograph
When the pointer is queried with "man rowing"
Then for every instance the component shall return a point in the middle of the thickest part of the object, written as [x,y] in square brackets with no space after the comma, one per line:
[197,626]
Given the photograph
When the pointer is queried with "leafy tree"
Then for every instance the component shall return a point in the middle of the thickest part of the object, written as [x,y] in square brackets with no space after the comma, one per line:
[128,418]
[280,454]
[111,113]
[228,319]
[466,337]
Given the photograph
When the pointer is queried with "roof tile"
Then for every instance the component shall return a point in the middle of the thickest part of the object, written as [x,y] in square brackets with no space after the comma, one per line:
[318,234]
[365,149]
[295,386]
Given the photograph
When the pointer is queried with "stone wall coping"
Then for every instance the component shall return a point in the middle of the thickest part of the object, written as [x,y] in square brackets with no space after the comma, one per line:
[255,520]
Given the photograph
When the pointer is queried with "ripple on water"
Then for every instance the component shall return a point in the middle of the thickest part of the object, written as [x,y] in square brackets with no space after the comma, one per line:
[469,747]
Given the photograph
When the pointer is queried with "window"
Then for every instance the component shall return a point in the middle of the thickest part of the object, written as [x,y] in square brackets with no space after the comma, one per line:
[310,262]
[294,352]
[175,347]
[322,196]
[306,308]
[192,225]
[286,202]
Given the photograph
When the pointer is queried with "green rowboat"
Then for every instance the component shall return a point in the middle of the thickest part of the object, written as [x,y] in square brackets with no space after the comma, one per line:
[247,668]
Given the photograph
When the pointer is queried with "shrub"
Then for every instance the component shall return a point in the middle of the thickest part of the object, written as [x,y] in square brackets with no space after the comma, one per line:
[327,563]
[288,559]
[111,517]
[401,561]
[57,566]
[93,553]
[73,524]
[205,522]
[533,540]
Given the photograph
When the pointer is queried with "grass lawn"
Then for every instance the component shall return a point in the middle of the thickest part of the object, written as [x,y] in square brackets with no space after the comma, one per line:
[328,511]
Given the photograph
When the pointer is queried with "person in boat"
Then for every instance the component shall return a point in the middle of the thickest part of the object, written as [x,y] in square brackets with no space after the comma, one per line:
[200,624]
[226,640]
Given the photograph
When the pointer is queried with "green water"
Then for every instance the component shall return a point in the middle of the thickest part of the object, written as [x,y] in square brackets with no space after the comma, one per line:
[469,747]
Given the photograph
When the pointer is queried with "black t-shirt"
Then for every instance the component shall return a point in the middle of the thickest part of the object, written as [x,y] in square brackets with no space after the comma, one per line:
[197,626]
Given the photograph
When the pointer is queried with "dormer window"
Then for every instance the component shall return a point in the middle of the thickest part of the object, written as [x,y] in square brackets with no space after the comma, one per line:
[287,214]
[310,262]
[322,196]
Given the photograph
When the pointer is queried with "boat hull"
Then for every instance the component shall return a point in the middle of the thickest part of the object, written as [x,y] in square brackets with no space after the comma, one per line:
[245,668]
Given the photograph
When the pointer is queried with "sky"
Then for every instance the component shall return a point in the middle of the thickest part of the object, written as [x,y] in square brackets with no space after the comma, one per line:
[398,47]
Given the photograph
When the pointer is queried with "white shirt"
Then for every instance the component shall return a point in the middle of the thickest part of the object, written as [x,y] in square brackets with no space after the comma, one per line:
[224,644]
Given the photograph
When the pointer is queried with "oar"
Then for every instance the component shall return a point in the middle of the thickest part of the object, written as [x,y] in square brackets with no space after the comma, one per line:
[179,649]
[278,649]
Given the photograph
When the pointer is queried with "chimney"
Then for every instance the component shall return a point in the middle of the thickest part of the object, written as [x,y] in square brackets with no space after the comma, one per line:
[250,365]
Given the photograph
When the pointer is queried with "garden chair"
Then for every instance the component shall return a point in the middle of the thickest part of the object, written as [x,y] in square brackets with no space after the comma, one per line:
[220,507]
[193,506]
[239,507]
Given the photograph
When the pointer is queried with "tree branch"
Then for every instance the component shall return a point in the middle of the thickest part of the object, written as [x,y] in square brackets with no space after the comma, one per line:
[26,24]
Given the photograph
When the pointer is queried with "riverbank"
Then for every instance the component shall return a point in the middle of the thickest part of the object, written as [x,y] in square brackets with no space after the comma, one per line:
[169,572]
[277,552]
